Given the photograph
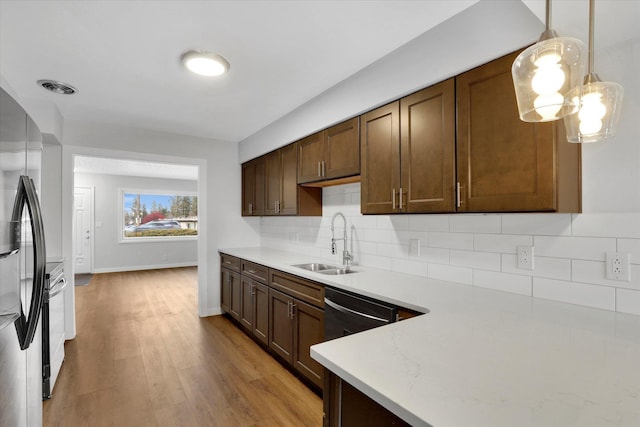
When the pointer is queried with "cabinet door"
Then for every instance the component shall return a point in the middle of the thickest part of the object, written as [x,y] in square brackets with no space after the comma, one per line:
[427,149]
[308,330]
[280,325]
[248,187]
[246,302]
[261,312]
[235,293]
[310,157]
[342,150]
[380,155]
[289,190]
[225,290]
[504,164]
[273,180]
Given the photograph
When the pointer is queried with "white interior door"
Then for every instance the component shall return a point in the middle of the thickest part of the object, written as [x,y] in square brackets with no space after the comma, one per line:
[83,229]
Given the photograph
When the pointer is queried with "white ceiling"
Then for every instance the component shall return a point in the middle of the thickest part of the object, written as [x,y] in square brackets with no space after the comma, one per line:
[112,166]
[123,56]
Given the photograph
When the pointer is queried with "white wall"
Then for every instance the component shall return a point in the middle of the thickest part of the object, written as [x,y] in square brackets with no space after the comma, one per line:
[51,199]
[112,255]
[219,188]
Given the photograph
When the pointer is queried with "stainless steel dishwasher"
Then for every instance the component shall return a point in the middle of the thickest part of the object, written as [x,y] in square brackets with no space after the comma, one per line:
[346,313]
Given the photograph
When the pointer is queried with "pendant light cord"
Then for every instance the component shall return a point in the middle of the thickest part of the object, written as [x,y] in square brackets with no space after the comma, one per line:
[592,7]
[548,15]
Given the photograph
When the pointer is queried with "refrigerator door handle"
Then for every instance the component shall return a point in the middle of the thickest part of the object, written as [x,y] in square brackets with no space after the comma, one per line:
[27,196]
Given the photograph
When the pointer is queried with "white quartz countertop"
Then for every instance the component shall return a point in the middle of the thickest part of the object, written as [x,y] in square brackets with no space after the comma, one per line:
[481,357]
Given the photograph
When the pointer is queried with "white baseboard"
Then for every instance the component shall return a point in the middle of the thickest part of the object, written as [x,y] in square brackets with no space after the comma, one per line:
[211,311]
[144,267]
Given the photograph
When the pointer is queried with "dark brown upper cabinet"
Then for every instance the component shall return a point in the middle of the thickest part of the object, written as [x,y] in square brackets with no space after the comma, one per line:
[253,181]
[283,195]
[330,154]
[505,164]
[427,150]
[380,155]
[408,153]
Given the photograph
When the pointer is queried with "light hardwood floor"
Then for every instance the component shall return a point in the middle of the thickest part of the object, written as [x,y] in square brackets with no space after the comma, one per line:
[142,357]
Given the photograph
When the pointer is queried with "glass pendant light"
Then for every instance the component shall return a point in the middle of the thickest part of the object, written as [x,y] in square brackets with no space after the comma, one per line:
[545,72]
[594,106]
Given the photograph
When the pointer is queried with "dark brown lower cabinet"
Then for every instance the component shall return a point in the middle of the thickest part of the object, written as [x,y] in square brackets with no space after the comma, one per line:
[293,328]
[254,312]
[261,312]
[280,325]
[346,406]
[231,292]
[308,330]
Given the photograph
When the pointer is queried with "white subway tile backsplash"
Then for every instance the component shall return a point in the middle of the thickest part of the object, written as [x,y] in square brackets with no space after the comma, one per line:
[503,282]
[502,243]
[375,261]
[575,293]
[623,225]
[437,239]
[538,224]
[476,223]
[478,249]
[375,235]
[632,247]
[450,273]
[409,267]
[587,248]
[434,255]
[480,260]
[392,250]
[429,222]
[628,301]
[551,268]
[595,272]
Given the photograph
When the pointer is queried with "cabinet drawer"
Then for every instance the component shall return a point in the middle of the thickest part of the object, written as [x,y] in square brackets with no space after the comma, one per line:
[299,288]
[255,271]
[230,262]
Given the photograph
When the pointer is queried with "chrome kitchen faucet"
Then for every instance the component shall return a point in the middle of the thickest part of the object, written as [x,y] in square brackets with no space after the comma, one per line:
[346,256]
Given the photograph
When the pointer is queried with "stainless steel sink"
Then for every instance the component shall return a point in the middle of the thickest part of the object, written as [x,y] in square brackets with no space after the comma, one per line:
[327,269]
[314,266]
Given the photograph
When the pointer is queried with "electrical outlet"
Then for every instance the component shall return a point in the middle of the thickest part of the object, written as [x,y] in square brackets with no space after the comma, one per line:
[618,266]
[525,257]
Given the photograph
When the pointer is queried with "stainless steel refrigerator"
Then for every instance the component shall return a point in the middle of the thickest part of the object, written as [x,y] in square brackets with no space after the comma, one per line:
[22,267]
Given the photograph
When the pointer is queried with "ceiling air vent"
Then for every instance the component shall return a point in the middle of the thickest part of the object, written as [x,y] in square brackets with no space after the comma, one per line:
[57,87]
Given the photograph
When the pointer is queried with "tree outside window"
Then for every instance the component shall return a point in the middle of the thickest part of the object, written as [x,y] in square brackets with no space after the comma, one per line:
[157,216]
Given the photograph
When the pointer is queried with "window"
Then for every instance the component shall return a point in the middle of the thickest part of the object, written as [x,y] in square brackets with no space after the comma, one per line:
[147,215]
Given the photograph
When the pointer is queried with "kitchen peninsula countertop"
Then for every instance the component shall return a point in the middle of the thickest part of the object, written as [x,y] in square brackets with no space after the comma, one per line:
[481,357]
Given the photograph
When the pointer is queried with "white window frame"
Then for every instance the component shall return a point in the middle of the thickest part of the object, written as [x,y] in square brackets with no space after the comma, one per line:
[127,240]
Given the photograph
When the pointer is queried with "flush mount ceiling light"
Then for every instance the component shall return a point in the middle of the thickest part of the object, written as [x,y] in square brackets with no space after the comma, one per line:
[205,63]
[596,104]
[545,72]
[57,87]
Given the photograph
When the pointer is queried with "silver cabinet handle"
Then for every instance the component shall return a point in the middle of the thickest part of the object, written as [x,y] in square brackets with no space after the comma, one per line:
[458,201]
[400,198]
[393,199]
[250,208]
[323,174]
[319,170]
